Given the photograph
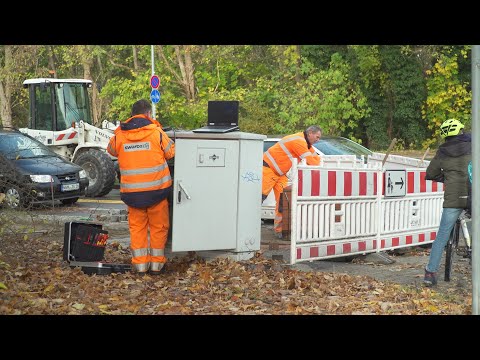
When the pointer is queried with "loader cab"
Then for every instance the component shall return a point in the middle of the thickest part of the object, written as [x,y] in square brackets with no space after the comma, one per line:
[56,103]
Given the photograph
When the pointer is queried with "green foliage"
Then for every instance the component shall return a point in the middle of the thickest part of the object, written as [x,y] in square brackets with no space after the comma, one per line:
[408,93]
[365,70]
[369,93]
[121,93]
[391,79]
[325,97]
[366,64]
[321,55]
[178,112]
[375,123]
[255,117]
[448,96]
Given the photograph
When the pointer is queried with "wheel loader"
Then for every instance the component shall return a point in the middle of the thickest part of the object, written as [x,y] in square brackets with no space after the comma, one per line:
[60,117]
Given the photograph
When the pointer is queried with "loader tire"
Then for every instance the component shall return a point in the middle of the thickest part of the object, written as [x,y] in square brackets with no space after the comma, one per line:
[100,172]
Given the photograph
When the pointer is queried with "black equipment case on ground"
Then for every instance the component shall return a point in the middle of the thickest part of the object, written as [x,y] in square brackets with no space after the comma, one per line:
[84,246]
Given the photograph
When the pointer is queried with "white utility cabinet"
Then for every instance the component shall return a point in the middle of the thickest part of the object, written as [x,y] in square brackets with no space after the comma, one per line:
[217,192]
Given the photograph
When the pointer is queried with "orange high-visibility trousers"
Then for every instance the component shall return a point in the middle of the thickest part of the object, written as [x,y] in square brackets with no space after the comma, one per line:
[270,181]
[156,219]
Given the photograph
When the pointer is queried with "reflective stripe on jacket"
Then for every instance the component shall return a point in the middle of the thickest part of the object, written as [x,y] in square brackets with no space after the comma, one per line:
[142,149]
[280,156]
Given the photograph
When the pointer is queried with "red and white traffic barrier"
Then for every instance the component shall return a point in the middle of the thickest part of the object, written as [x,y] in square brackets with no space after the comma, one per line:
[344,211]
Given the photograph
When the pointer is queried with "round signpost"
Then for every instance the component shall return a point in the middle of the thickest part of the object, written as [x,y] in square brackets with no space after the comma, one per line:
[155,96]
[154,82]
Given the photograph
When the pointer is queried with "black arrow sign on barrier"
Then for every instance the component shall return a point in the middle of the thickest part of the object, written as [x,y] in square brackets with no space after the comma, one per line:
[400,183]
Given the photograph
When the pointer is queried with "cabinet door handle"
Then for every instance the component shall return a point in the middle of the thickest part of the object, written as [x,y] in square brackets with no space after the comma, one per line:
[180,185]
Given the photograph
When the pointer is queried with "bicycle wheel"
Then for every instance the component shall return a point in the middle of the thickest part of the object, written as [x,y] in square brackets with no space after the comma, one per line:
[451,247]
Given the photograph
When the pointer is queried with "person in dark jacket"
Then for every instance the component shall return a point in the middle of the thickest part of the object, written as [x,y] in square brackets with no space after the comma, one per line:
[450,166]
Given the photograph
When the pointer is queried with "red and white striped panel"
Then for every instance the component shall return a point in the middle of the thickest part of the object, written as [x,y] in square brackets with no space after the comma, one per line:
[66,136]
[416,183]
[337,183]
[348,247]
[407,240]
[307,252]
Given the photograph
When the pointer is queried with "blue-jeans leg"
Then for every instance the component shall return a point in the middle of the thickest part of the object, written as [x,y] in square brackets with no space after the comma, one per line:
[449,216]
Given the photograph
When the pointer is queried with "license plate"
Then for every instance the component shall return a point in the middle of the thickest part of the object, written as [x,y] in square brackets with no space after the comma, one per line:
[70,187]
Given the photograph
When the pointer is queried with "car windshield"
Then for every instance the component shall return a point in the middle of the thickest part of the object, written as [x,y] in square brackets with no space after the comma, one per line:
[340,146]
[268,143]
[19,146]
[72,104]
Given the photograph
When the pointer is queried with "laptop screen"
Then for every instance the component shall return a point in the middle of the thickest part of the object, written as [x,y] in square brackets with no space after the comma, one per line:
[223,113]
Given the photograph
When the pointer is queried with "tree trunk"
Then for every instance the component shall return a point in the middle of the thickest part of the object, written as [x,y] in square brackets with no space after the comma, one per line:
[186,77]
[189,69]
[51,61]
[135,58]
[391,107]
[6,88]
[99,100]
[87,62]
[298,76]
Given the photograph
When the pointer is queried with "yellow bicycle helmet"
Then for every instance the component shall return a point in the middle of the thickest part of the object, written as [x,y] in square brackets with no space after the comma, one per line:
[451,127]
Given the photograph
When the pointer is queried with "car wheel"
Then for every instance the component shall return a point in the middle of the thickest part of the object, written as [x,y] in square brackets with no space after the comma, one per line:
[69,201]
[14,197]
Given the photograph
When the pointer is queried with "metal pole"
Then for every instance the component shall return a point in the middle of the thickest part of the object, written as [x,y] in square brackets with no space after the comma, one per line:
[153,73]
[476,178]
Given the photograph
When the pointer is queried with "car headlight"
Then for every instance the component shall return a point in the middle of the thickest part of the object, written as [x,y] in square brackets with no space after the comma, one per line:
[82,174]
[41,178]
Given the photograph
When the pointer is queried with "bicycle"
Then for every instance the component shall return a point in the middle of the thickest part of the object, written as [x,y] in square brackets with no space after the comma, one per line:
[454,245]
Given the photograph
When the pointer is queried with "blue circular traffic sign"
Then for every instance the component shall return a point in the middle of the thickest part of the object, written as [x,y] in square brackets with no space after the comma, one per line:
[155,96]
[154,81]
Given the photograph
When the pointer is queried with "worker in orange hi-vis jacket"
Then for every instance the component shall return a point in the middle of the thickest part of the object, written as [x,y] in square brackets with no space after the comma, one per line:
[277,160]
[142,149]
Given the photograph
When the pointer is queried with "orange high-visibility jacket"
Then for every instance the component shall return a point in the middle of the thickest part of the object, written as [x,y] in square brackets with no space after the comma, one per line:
[142,149]
[279,157]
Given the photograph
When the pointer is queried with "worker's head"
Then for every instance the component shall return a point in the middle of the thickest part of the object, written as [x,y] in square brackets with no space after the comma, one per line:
[451,127]
[142,107]
[314,133]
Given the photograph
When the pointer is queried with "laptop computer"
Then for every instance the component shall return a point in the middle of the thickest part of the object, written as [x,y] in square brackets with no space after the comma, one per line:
[222,117]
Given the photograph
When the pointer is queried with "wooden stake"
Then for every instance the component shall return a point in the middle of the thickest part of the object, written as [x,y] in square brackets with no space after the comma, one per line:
[392,144]
[424,155]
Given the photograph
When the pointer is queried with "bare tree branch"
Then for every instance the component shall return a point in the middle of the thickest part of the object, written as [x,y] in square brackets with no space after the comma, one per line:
[169,67]
[119,65]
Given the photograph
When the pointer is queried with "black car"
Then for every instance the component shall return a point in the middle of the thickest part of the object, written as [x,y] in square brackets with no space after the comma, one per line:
[31,173]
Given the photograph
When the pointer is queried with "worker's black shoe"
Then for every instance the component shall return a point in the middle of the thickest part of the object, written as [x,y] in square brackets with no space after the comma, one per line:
[157,272]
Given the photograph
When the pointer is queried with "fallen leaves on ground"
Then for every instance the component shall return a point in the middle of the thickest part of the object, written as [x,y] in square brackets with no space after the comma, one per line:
[34,279]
